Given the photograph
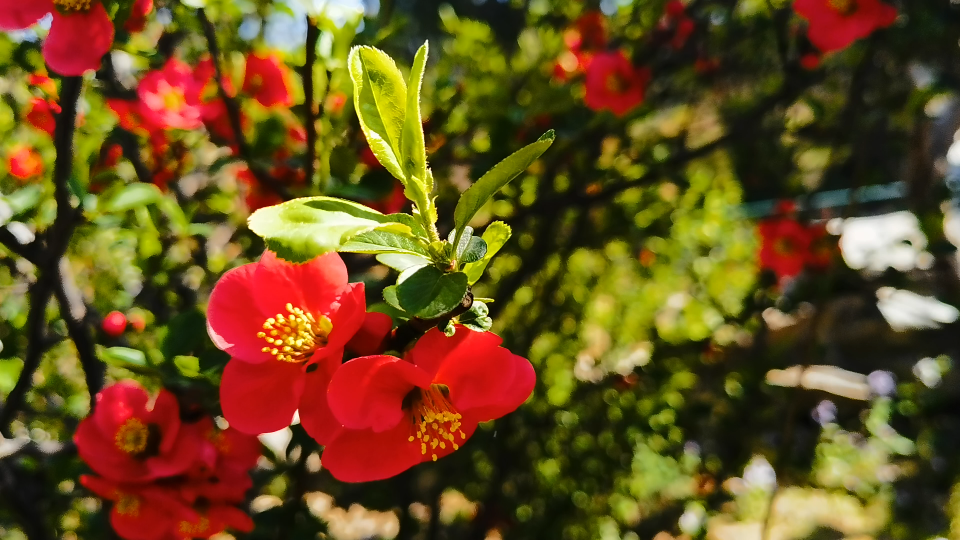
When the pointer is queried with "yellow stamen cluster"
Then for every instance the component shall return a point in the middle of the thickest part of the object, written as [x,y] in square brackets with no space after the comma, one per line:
[128,505]
[195,529]
[616,83]
[845,7]
[295,336]
[435,420]
[132,437]
[72,5]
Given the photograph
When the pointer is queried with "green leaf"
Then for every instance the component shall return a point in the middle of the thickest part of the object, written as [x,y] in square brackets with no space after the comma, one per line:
[123,356]
[390,297]
[402,261]
[476,250]
[458,242]
[380,95]
[429,293]
[302,229]
[496,236]
[186,334]
[24,199]
[412,148]
[478,318]
[496,178]
[133,196]
[384,242]
[189,366]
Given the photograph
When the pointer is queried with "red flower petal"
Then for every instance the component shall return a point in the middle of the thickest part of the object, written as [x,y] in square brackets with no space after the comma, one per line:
[347,318]
[368,393]
[166,415]
[315,414]
[260,398]
[78,41]
[233,320]
[18,14]
[435,348]
[312,286]
[104,457]
[145,519]
[364,455]
[484,379]
[370,338]
[117,403]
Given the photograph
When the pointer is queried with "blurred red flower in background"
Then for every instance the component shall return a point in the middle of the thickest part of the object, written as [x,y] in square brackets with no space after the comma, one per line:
[40,114]
[24,162]
[192,501]
[835,24]
[584,39]
[788,246]
[138,15]
[128,439]
[80,34]
[398,413]
[170,97]
[267,80]
[614,83]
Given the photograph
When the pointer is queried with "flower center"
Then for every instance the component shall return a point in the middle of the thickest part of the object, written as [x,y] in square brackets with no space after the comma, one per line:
[295,336]
[72,5]
[844,7]
[783,246]
[435,420]
[616,83]
[193,530]
[133,437]
[256,84]
[128,505]
[173,98]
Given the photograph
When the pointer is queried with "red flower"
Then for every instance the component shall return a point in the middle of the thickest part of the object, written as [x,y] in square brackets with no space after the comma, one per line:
[784,246]
[823,247]
[170,97]
[130,116]
[589,33]
[125,440]
[835,24]
[138,15]
[40,114]
[81,32]
[614,83]
[24,162]
[267,80]
[44,83]
[156,512]
[398,413]
[285,326]
[810,61]
[141,512]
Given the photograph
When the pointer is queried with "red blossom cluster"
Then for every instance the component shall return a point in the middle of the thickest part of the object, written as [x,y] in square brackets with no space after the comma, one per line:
[287,328]
[179,97]
[168,479]
[676,23]
[788,247]
[836,24]
[24,162]
[81,31]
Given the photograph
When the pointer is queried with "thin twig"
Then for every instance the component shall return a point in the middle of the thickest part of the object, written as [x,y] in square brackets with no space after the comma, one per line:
[309,88]
[233,111]
[74,312]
